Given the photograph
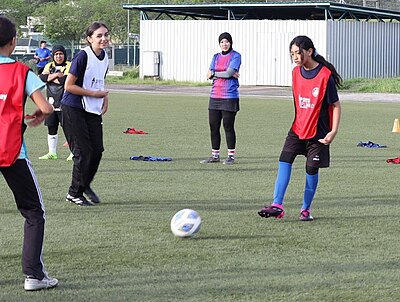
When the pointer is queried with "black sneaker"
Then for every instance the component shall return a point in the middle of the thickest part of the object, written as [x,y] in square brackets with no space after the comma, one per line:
[210,160]
[79,201]
[91,196]
[271,211]
[229,161]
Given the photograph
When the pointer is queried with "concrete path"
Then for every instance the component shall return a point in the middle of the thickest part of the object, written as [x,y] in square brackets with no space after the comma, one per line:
[267,92]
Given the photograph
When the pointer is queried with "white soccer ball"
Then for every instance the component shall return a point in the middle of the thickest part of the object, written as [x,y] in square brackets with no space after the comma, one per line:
[185,223]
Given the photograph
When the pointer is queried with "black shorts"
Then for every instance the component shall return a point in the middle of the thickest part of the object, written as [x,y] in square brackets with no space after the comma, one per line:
[317,154]
[54,119]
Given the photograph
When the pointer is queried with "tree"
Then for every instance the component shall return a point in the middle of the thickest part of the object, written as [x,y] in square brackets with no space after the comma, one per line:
[66,21]
[16,10]
[111,13]
[62,27]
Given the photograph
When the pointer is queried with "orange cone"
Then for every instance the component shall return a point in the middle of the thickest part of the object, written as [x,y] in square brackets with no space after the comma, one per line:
[396,125]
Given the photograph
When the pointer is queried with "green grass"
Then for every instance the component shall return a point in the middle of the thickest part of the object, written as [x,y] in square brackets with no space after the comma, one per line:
[378,85]
[123,250]
[131,76]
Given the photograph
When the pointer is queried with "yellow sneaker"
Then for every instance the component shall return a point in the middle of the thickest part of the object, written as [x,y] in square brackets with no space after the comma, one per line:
[49,156]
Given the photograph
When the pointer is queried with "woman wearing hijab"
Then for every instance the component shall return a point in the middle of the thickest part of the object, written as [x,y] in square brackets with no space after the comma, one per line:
[224,99]
[54,75]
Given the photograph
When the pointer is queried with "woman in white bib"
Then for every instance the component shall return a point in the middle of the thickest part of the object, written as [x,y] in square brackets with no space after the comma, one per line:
[84,102]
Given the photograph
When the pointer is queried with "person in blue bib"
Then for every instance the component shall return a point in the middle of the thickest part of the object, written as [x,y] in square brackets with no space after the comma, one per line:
[84,102]
[42,56]
[316,123]
[17,82]
[224,99]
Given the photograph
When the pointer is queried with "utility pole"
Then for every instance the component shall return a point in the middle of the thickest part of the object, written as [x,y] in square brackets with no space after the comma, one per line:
[127,48]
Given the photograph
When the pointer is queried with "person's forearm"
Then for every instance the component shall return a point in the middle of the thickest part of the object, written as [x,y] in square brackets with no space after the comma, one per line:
[75,89]
[337,111]
[51,77]
[225,74]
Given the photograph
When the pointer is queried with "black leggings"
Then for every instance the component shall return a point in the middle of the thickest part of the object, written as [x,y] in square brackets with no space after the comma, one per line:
[215,117]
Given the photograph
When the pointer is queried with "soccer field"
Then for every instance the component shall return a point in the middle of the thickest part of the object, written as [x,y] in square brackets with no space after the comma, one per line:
[123,249]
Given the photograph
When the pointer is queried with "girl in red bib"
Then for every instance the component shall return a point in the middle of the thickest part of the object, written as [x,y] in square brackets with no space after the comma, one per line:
[17,82]
[316,123]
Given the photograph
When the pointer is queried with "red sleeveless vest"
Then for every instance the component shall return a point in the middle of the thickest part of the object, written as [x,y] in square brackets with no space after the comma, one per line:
[12,102]
[308,96]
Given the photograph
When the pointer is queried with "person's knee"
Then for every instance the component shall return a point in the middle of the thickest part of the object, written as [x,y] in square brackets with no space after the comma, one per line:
[52,130]
[35,216]
[214,127]
[287,157]
[311,170]
[229,128]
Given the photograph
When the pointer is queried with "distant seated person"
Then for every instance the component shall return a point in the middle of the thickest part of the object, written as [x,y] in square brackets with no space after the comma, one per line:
[42,56]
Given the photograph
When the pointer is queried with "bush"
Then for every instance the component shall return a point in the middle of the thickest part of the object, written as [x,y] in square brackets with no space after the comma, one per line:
[132,73]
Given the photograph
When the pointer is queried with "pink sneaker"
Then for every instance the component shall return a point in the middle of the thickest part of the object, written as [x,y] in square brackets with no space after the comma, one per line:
[305,215]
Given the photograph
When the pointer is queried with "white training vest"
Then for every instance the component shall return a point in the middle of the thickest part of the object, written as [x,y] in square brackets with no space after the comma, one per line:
[95,74]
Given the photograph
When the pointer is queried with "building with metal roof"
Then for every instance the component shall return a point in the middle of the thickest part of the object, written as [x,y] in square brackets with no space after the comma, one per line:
[266,11]
[178,41]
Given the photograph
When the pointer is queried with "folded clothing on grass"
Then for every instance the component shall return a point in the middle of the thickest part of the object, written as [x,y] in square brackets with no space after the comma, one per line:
[370,144]
[135,131]
[395,160]
[150,158]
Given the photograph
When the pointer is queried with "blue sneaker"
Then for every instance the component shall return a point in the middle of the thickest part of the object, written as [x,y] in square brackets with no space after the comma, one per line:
[230,160]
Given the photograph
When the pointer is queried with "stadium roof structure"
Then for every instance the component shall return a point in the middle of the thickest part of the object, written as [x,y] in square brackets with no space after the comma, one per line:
[270,11]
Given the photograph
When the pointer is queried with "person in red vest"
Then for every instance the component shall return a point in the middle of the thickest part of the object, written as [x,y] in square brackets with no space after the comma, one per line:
[316,123]
[17,82]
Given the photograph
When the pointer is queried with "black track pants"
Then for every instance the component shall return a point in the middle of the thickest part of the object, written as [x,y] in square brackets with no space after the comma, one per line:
[84,132]
[22,181]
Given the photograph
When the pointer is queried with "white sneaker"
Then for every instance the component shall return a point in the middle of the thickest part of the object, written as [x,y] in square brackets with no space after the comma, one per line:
[36,284]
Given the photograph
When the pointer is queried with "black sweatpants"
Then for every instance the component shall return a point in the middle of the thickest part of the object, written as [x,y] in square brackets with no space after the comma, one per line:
[84,132]
[22,181]
[228,118]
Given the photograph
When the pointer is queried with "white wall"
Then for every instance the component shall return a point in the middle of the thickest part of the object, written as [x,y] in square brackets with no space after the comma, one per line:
[365,49]
[357,49]
[187,47]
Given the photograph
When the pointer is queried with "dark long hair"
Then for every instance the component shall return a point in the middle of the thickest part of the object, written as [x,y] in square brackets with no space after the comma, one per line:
[93,27]
[7,30]
[305,43]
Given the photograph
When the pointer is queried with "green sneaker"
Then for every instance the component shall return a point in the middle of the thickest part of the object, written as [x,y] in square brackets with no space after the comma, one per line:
[49,156]
[70,157]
